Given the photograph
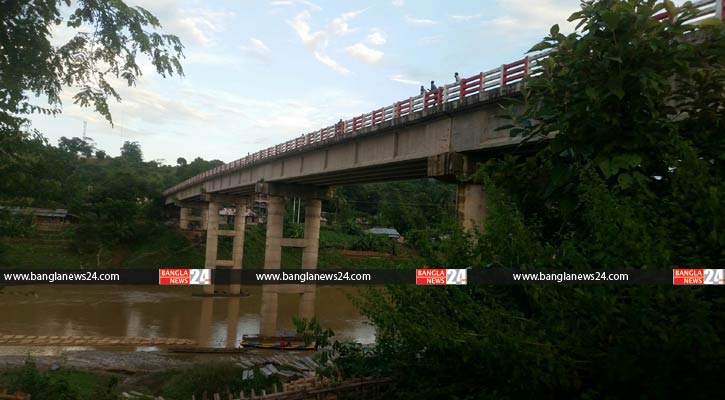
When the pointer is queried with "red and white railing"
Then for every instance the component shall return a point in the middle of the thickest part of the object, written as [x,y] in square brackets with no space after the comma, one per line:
[494,79]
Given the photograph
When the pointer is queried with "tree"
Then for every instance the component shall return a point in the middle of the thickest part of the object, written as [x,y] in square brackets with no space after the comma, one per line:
[632,179]
[76,146]
[88,62]
[131,151]
[181,161]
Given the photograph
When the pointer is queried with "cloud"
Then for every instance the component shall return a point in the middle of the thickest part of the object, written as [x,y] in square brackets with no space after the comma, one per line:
[429,40]
[331,63]
[402,79]
[294,3]
[317,42]
[257,49]
[194,26]
[398,3]
[420,21]
[364,53]
[339,25]
[465,18]
[376,38]
[524,15]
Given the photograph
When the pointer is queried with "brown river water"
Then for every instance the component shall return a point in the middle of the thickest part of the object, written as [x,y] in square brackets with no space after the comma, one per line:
[157,311]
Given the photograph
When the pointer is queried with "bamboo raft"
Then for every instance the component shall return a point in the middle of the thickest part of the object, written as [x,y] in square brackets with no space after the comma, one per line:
[26,340]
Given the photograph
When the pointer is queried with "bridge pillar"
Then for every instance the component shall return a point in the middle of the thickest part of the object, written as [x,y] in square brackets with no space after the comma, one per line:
[232,321]
[184,218]
[211,260]
[273,244]
[272,260]
[310,254]
[205,219]
[471,206]
[276,241]
[212,240]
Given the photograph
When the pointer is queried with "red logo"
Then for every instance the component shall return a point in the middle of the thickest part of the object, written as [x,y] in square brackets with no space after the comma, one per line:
[688,276]
[430,276]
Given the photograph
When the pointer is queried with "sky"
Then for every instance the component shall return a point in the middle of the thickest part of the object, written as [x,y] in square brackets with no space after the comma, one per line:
[258,73]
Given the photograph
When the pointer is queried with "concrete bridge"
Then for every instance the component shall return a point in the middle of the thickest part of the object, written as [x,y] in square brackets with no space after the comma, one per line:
[439,134]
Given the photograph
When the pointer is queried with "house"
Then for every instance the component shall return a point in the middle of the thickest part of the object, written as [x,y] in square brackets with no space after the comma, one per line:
[44,218]
[228,214]
[389,232]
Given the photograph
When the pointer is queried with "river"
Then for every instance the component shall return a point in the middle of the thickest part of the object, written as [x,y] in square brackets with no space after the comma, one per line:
[158,311]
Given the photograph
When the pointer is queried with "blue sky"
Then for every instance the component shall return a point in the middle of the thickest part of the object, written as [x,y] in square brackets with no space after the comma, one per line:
[261,72]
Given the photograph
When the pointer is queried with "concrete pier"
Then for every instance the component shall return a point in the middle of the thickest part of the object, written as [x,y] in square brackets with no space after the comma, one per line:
[184,213]
[310,244]
[211,260]
[212,240]
[471,206]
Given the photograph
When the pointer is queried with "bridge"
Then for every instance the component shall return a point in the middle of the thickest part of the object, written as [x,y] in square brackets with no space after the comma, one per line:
[439,134]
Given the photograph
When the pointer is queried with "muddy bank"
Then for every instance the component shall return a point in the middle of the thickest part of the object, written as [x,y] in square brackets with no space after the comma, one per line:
[99,360]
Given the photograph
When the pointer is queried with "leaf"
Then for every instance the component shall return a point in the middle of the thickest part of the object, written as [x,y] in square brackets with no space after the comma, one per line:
[591,92]
[671,8]
[625,181]
[540,46]
[611,19]
[710,22]
[615,87]
[554,30]
[617,59]
[624,161]
[606,167]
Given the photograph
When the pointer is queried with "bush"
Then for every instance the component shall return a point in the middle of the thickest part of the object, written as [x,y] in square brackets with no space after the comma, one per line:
[215,377]
[60,384]
[370,242]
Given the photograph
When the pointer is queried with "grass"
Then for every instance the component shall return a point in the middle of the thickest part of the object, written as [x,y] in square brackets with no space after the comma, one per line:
[66,384]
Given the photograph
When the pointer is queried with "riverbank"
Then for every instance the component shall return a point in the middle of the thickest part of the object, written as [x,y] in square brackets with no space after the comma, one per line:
[170,247]
[100,375]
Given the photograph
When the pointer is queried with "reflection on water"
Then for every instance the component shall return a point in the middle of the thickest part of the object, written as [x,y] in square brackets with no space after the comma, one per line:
[150,311]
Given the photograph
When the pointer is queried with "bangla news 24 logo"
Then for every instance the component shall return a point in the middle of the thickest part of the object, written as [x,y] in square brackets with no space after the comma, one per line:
[184,276]
[698,276]
[441,276]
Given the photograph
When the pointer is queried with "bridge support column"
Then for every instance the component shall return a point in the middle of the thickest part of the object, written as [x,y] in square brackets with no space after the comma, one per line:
[184,218]
[276,241]
[273,244]
[240,222]
[272,260]
[471,206]
[212,240]
[205,219]
[232,321]
[211,260]
[310,254]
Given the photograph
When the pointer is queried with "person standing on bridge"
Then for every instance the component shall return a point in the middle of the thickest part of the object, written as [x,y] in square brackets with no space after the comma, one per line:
[433,86]
[456,77]
[422,89]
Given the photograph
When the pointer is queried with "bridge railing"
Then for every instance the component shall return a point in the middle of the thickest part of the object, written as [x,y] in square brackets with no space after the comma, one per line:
[494,79]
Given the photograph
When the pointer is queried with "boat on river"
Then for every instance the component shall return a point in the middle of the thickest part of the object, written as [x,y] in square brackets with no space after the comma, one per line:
[294,343]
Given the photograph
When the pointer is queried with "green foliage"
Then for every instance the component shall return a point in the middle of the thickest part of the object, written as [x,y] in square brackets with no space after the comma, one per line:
[311,331]
[14,225]
[404,205]
[205,379]
[131,152]
[59,384]
[632,178]
[370,242]
[29,63]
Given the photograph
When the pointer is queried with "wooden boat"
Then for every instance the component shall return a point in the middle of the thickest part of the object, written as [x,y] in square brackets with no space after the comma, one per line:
[276,343]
